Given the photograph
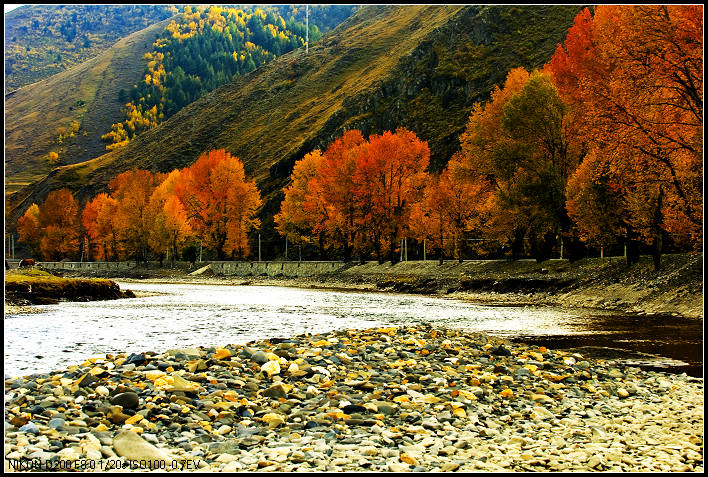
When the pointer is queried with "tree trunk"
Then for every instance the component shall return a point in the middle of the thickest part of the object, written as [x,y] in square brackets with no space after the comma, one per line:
[658,232]
[458,245]
[517,243]
[632,245]
[442,247]
[392,249]
[320,240]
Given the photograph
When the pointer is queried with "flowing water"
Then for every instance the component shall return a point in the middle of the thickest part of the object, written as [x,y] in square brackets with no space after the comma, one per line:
[186,315]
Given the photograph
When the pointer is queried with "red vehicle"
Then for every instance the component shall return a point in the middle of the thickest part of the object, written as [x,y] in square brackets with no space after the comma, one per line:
[27,262]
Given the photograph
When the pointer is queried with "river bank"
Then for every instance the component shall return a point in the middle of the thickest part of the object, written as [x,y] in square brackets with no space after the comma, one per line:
[24,288]
[382,399]
[609,284]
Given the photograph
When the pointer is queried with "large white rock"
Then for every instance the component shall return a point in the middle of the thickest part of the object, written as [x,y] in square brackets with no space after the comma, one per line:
[130,445]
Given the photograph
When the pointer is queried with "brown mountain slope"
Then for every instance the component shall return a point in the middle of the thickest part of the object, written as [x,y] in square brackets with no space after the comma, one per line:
[421,67]
[86,93]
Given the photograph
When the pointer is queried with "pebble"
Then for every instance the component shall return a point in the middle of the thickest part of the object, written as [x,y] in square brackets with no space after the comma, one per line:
[384,399]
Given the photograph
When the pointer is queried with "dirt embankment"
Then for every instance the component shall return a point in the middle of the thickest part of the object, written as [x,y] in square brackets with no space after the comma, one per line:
[592,283]
[606,283]
[41,288]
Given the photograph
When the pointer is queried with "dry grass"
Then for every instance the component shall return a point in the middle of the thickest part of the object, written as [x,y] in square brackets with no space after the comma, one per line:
[34,286]
[36,276]
[34,112]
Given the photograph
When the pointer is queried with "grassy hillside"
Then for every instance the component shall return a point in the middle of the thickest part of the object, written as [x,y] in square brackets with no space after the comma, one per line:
[421,67]
[43,40]
[85,94]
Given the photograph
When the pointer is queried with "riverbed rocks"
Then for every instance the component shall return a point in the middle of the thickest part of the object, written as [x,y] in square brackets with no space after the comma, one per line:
[384,399]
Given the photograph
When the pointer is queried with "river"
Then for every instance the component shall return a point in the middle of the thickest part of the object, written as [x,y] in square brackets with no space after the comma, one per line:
[170,316]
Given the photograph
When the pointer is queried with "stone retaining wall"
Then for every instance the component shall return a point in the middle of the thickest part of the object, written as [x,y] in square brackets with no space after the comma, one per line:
[87,265]
[244,269]
[271,269]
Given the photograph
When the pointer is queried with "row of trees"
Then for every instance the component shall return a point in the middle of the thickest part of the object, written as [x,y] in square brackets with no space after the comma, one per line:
[603,145]
[147,215]
[357,195]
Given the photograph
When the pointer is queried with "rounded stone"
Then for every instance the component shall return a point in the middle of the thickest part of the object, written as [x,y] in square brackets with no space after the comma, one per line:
[128,400]
[259,357]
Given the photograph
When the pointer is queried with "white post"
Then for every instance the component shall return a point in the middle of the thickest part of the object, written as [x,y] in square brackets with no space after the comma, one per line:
[286,248]
[401,250]
[561,257]
[13,245]
[405,242]
[424,250]
[602,252]
[259,247]
[200,252]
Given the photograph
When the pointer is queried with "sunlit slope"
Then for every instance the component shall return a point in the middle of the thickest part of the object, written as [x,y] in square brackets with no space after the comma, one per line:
[421,67]
[86,94]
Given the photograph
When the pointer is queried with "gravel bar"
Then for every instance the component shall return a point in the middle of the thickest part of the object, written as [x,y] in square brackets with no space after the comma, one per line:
[384,399]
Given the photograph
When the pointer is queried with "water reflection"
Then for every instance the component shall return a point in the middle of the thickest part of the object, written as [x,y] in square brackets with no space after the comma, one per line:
[211,315]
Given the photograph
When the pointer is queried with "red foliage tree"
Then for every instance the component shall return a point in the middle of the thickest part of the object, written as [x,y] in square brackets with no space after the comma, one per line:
[167,218]
[335,186]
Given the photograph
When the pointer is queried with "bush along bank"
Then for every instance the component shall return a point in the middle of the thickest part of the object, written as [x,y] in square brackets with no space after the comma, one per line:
[383,399]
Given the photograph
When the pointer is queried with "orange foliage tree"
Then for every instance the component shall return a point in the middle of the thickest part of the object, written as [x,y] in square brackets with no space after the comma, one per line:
[517,143]
[390,176]
[28,229]
[132,191]
[59,223]
[452,205]
[220,202]
[303,211]
[167,219]
[334,185]
[632,77]
[98,219]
